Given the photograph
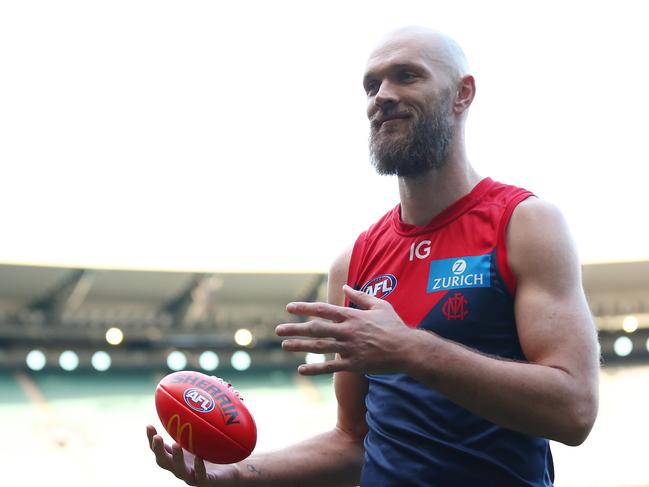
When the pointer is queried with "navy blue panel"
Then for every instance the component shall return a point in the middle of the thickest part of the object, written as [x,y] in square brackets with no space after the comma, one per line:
[419,437]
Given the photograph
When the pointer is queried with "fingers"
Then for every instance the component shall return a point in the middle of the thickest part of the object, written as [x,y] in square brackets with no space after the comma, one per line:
[200,472]
[321,310]
[150,433]
[313,328]
[328,367]
[179,467]
[361,299]
[162,456]
[170,458]
[314,346]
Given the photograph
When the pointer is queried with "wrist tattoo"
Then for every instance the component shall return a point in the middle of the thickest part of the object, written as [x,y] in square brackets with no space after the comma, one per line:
[253,469]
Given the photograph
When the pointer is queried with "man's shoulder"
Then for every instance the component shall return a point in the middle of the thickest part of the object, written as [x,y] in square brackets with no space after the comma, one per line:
[534,211]
[539,239]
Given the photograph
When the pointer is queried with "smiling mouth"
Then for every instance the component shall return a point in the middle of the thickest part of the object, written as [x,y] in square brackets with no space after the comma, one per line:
[389,121]
[389,117]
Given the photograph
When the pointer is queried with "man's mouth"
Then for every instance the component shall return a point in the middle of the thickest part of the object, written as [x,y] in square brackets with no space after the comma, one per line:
[389,118]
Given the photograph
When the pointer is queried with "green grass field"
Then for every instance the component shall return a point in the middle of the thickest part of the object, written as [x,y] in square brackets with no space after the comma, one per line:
[88,429]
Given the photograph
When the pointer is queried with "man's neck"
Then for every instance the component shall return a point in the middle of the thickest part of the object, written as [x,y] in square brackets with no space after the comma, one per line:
[426,196]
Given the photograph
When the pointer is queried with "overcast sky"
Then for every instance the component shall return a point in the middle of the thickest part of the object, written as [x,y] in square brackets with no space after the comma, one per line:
[232,135]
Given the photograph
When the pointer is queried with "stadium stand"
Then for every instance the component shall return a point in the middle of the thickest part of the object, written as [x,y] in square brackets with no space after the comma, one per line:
[75,422]
[55,309]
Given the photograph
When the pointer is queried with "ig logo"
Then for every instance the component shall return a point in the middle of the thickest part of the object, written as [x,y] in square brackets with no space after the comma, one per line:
[420,250]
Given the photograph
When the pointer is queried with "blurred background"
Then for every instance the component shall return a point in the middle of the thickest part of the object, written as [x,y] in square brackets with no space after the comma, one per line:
[174,173]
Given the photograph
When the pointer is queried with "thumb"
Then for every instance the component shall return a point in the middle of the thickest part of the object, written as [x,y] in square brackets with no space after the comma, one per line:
[359,298]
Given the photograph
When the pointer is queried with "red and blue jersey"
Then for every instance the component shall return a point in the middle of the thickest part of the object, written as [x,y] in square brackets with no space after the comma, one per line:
[450,277]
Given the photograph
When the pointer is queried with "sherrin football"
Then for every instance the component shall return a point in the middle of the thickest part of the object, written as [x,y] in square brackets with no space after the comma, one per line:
[206,416]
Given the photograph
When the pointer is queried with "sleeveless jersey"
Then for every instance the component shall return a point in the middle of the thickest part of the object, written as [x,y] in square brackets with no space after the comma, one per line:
[450,277]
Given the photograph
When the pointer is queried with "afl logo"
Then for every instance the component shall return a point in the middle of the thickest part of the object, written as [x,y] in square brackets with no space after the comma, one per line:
[199,400]
[459,266]
[380,286]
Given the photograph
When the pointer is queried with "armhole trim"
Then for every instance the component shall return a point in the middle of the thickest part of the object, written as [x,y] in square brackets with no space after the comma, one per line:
[355,263]
[501,247]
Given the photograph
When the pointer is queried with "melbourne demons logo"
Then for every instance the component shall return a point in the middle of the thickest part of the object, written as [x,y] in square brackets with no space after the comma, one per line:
[198,400]
[380,286]
[455,307]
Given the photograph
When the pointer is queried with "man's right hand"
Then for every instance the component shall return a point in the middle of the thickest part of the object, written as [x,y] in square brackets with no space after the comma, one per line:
[189,468]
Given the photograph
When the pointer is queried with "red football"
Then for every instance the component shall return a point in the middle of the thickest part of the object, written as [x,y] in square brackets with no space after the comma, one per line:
[205,415]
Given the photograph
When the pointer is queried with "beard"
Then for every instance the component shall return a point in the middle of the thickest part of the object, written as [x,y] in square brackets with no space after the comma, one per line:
[424,147]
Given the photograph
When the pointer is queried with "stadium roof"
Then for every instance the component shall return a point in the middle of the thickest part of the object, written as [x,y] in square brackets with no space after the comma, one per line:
[612,288]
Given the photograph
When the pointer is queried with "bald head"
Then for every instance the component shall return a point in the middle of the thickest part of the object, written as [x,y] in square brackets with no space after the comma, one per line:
[441,51]
[418,90]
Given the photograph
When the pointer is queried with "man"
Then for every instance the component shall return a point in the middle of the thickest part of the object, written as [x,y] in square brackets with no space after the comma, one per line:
[462,336]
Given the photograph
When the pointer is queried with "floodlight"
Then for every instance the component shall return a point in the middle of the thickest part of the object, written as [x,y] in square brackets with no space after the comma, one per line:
[176,360]
[36,360]
[114,336]
[101,361]
[243,337]
[623,346]
[68,360]
[241,360]
[208,360]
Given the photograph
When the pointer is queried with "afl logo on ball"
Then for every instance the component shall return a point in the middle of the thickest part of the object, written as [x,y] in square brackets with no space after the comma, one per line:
[199,400]
[380,286]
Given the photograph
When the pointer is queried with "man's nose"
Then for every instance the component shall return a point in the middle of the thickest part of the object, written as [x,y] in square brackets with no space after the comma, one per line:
[386,95]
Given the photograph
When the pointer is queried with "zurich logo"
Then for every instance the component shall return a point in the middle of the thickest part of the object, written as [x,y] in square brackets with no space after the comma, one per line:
[198,400]
[459,273]
[459,266]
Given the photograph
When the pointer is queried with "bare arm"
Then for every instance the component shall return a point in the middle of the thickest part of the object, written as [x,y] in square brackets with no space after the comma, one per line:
[333,458]
[555,395]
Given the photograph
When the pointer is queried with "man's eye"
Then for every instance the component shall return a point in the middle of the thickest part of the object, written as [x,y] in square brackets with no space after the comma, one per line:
[371,87]
[407,76]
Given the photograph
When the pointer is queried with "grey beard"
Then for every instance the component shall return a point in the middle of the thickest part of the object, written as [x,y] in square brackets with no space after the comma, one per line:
[426,147]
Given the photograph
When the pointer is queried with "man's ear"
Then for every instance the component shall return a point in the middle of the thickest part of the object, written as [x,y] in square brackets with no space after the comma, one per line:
[465,94]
